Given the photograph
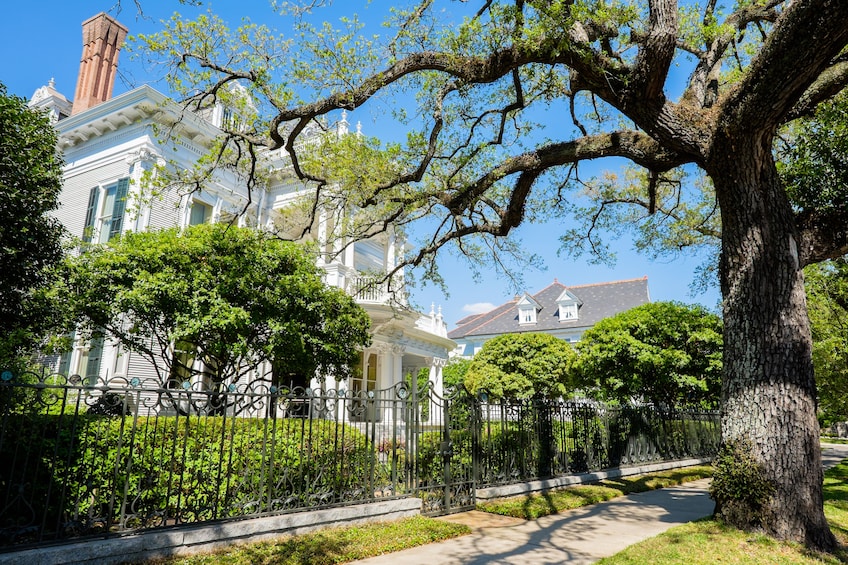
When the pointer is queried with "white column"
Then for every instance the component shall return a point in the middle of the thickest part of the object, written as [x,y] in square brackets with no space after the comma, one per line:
[322,236]
[260,208]
[391,250]
[138,209]
[216,210]
[390,368]
[397,363]
[185,211]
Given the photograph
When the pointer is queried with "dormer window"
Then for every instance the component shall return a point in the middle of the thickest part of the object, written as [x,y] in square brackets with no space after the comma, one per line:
[527,310]
[568,311]
[568,307]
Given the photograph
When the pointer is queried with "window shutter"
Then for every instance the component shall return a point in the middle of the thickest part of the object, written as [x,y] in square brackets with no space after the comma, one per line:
[91,214]
[119,207]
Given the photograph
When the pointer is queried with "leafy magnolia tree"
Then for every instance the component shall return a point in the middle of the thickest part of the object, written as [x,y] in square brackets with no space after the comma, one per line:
[231,297]
[30,239]
[512,100]
[664,353]
[827,302]
[521,365]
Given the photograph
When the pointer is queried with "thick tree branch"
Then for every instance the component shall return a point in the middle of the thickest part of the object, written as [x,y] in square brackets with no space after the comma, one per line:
[827,85]
[655,53]
[703,84]
[633,145]
[823,234]
[806,38]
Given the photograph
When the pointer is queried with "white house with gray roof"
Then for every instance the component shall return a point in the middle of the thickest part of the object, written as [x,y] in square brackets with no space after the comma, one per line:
[562,311]
[109,143]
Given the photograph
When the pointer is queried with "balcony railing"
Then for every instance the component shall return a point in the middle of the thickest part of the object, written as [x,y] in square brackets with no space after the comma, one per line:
[372,290]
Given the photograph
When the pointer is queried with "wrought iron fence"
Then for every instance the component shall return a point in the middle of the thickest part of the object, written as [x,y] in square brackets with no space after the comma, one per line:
[539,438]
[126,455]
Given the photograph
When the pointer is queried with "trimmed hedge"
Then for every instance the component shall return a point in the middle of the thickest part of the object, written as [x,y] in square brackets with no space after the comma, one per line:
[90,473]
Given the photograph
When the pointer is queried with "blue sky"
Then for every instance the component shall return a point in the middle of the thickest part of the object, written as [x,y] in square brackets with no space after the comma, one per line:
[42,40]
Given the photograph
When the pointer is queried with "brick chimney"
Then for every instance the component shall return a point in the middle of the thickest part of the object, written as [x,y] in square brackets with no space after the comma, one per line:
[102,38]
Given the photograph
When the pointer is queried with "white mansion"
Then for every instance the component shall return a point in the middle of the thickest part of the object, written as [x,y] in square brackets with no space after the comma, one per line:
[109,142]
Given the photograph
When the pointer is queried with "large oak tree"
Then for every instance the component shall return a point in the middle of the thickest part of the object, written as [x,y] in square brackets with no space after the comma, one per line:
[508,103]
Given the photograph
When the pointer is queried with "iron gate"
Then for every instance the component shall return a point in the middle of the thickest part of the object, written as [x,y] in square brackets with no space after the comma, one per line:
[444,439]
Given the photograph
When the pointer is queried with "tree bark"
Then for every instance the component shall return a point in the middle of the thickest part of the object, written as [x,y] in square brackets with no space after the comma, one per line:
[768,389]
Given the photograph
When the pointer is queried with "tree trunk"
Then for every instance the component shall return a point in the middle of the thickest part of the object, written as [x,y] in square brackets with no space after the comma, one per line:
[768,388]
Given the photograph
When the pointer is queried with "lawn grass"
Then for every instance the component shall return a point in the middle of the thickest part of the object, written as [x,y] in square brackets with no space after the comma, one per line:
[534,506]
[835,440]
[708,541]
[330,546]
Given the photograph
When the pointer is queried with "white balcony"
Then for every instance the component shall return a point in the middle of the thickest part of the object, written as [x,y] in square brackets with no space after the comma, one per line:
[373,291]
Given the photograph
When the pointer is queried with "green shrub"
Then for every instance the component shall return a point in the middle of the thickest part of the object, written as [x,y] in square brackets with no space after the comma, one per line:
[90,472]
[739,487]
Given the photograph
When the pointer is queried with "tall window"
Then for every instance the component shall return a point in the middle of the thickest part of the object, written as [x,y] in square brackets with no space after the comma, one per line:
[104,217]
[200,213]
[182,363]
[283,376]
[65,357]
[88,363]
[365,380]
[363,384]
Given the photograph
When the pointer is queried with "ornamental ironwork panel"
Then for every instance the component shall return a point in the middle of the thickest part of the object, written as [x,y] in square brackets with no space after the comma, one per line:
[529,439]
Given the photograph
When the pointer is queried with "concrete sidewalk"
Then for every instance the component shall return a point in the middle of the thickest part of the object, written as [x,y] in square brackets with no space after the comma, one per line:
[579,536]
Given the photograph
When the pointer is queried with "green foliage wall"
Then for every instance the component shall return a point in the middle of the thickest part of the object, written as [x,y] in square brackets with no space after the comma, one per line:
[664,353]
[170,470]
[238,295]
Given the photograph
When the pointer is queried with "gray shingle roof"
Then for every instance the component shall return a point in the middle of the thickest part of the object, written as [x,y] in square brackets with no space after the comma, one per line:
[599,301]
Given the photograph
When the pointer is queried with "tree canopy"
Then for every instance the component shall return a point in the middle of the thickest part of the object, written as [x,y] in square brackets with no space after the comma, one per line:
[30,238]
[663,353]
[230,297]
[504,108]
[523,365]
[454,372]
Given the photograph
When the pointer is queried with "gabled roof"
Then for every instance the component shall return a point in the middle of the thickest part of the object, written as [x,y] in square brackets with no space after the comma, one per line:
[598,301]
[526,300]
[568,296]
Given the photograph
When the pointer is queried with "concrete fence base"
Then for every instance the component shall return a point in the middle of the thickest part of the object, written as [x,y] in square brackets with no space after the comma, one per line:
[529,487]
